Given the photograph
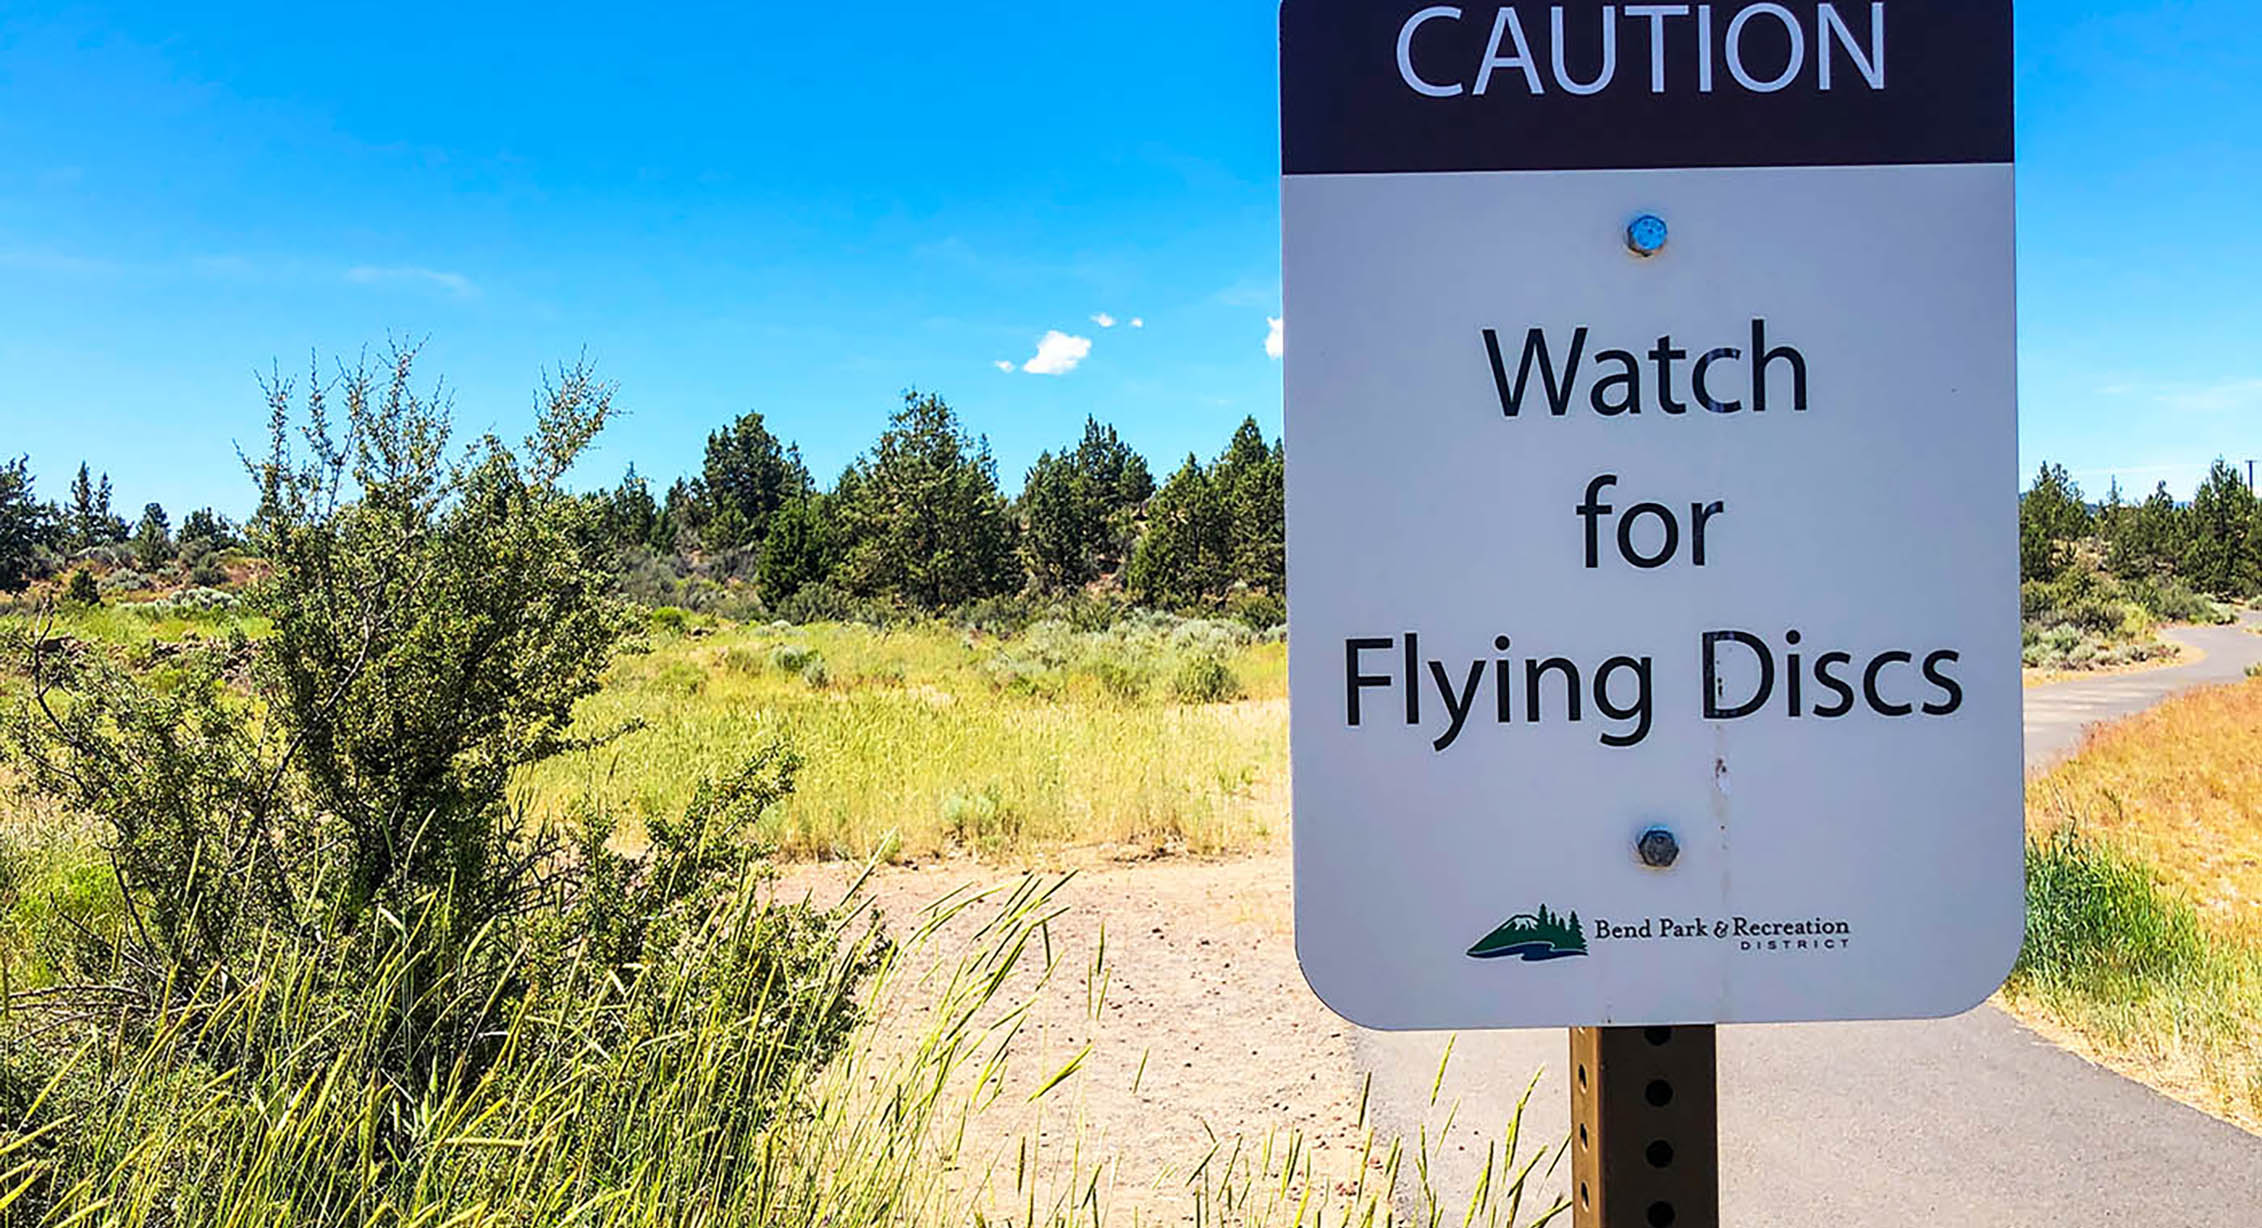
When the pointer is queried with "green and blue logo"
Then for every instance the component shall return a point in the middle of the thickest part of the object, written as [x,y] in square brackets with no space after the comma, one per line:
[1534,938]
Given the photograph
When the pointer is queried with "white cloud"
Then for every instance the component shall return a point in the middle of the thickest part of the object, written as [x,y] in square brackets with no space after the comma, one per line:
[1058,354]
[1104,320]
[1136,322]
[1005,365]
[1276,341]
[372,275]
[2226,396]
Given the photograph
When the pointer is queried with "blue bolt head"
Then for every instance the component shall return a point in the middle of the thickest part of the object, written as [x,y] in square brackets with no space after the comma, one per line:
[1646,235]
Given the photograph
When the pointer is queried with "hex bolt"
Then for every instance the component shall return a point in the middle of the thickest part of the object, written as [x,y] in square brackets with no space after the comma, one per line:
[1658,848]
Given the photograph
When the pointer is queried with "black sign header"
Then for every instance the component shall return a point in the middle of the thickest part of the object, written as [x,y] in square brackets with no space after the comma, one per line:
[1395,86]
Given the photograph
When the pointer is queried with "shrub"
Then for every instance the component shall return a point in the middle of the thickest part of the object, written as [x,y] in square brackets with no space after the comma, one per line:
[743,661]
[824,603]
[668,620]
[803,660]
[999,616]
[1260,611]
[188,601]
[981,820]
[206,571]
[791,658]
[2169,599]
[1118,679]
[1205,679]
[82,589]
[433,630]
[124,580]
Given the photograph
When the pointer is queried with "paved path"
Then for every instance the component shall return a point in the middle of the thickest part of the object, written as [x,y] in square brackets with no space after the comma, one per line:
[1967,1121]
[2057,715]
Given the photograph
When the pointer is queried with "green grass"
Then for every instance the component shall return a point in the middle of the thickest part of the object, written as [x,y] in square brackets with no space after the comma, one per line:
[1161,735]
[127,625]
[2131,968]
[671,1099]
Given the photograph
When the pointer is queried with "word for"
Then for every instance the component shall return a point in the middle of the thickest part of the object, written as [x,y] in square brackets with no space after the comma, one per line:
[1765,48]
[1594,510]
[1616,388]
[1622,689]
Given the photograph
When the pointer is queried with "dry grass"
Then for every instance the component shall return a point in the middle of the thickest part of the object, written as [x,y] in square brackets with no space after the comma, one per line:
[2180,787]
[928,742]
[2144,934]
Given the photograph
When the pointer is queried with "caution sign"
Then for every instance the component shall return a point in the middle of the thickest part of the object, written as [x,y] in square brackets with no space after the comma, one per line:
[1652,472]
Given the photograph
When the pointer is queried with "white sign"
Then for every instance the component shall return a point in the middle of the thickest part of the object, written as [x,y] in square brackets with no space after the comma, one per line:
[1715,545]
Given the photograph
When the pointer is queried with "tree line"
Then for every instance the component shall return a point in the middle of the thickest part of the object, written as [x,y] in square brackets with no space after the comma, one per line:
[2212,543]
[919,522]
[37,539]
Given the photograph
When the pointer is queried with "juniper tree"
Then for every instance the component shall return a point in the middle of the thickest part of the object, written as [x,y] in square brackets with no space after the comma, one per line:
[2052,518]
[2146,539]
[27,526]
[1184,558]
[802,548]
[921,514]
[1250,480]
[153,538]
[747,476]
[87,518]
[2218,549]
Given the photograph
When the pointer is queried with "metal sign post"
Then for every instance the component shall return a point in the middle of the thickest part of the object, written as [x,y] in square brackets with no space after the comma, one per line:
[1651,427]
[1645,1128]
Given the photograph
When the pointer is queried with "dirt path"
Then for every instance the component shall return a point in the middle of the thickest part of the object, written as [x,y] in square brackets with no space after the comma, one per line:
[1205,1030]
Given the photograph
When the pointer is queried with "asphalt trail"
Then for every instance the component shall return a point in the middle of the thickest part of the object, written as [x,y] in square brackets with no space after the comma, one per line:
[1965,1121]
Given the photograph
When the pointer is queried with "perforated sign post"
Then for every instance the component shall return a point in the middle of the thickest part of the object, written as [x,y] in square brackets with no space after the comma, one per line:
[1652,527]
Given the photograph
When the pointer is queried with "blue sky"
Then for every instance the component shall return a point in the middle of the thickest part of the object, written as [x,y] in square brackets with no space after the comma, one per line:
[804,209]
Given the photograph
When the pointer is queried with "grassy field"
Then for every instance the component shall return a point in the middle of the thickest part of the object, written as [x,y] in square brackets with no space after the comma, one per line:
[695,1083]
[2144,943]
[1158,735]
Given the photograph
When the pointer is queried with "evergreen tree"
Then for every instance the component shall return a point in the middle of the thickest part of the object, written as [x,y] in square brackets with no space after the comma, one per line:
[1183,560]
[210,527]
[921,513]
[1212,528]
[1061,524]
[2052,518]
[628,515]
[88,519]
[2112,512]
[153,538]
[1250,479]
[748,475]
[1120,486]
[800,549]
[683,519]
[1117,475]
[2217,549]
[26,526]
[1079,508]
[2145,539]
